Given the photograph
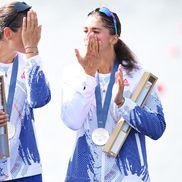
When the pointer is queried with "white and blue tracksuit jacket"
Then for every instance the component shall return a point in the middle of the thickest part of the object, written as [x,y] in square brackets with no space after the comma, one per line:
[32,91]
[78,111]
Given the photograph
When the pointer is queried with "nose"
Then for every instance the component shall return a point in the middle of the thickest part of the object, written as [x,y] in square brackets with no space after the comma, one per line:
[90,34]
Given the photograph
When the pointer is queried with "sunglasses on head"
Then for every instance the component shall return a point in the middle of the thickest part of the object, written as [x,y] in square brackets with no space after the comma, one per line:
[19,7]
[108,13]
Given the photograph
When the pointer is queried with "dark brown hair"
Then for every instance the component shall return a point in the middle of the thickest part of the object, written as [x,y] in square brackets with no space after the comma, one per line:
[10,17]
[123,53]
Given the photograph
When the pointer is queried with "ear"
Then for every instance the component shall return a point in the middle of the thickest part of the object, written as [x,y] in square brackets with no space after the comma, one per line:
[7,32]
[114,39]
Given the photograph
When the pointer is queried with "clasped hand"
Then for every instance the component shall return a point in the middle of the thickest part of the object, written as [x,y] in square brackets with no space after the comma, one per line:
[3,117]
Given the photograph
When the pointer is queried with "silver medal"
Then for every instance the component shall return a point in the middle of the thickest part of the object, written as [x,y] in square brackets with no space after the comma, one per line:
[100,136]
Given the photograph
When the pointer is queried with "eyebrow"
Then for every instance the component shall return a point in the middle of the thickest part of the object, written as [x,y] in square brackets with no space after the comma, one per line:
[93,28]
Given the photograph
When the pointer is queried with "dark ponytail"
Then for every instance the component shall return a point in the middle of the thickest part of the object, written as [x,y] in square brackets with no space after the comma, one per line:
[125,56]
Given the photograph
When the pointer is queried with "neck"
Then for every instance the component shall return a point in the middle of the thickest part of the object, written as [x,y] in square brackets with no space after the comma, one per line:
[107,64]
[6,53]
[7,58]
[105,69]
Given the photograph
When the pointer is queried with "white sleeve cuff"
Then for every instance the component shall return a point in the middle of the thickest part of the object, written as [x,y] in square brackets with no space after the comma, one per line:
[124,110]
[31,62]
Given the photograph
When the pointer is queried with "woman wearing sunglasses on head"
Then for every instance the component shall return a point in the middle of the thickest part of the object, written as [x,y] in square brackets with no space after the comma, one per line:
[26,88]
[96,94]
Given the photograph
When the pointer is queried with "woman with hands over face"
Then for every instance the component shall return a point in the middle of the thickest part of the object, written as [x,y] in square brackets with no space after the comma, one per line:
[26,88]
[95,94]
[95,59]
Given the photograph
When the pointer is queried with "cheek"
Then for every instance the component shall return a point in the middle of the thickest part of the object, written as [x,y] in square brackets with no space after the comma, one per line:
[19,45]
[18,39]
[85,41]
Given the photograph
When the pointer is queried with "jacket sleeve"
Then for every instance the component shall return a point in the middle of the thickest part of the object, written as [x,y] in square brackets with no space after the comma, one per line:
[77,95]
[38,91]
[148,120]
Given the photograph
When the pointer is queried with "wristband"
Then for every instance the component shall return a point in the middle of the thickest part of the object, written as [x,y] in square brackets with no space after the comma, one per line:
[31,50]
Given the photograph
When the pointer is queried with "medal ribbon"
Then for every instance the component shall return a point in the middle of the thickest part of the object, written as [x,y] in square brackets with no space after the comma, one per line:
[102,112]
[12,85]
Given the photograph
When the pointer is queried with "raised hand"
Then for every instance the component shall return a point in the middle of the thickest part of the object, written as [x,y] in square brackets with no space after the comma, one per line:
[91,60]
[31,32]
[118,87]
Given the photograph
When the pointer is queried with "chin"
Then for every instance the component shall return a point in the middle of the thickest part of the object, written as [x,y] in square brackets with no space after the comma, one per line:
[21,51]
